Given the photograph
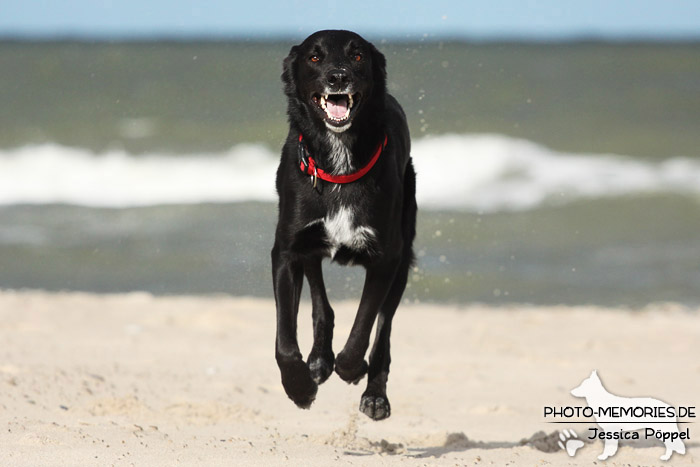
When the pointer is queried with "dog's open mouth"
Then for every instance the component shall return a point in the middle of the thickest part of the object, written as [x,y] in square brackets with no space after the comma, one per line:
[336,107]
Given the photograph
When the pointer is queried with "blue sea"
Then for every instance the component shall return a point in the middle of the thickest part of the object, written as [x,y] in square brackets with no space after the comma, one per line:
[547,173]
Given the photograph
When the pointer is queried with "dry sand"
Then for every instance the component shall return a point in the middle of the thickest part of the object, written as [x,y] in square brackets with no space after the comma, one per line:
[138,380]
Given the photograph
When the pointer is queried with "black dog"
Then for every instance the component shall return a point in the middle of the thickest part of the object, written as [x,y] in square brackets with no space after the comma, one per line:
[346,189]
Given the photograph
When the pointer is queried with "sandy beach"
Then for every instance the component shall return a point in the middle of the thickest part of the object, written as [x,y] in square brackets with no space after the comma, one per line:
[140,380]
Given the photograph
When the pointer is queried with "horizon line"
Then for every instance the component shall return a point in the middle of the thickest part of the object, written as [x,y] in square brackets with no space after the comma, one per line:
[391,38]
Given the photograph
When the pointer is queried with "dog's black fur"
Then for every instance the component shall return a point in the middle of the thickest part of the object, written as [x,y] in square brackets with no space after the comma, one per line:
[370,222]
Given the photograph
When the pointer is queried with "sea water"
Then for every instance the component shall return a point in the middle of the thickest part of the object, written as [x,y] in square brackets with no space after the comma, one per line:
[547,173]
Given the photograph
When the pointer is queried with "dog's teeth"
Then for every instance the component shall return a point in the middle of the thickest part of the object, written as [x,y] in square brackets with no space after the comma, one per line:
[323,103]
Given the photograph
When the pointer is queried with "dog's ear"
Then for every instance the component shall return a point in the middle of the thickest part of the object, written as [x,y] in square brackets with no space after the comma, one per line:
[378,68]
[289,67]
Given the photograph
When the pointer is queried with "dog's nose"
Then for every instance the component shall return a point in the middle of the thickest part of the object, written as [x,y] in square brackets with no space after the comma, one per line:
[337,77]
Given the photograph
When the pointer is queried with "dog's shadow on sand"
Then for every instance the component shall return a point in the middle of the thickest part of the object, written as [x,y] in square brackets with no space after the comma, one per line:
[454,442]
[459,442]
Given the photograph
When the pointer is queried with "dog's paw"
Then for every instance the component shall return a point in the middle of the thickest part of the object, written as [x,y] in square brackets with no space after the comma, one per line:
[298,383]
[320,367]
[569,442]
[350,374]
[375,407]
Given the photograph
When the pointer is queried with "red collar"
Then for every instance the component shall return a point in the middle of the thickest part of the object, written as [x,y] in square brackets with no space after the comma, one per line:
[307,165]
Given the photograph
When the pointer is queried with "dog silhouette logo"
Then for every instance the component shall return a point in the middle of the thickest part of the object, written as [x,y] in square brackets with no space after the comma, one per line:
[623,417]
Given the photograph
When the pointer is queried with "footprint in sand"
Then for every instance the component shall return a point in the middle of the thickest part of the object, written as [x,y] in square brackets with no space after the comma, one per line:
[569,442]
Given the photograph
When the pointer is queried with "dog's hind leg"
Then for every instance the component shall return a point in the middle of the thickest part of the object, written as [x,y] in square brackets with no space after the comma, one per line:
[374,402]
[321,358]
[349,363]
[671,446]
[287,279]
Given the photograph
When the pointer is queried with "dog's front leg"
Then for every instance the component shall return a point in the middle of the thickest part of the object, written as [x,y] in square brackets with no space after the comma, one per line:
[350,364]
[374,402]
[287,279]
[609,449]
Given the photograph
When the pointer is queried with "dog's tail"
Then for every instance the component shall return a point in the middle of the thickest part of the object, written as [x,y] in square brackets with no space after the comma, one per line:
[410,208]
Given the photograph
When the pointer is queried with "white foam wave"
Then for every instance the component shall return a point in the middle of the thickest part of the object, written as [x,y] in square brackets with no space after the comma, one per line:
[466,172]
[493,172]
[56,174]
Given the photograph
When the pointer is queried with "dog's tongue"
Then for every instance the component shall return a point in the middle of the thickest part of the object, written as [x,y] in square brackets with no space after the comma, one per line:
[337,106]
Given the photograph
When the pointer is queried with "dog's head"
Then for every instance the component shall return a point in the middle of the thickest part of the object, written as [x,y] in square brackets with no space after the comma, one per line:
[333,76]
[588,386]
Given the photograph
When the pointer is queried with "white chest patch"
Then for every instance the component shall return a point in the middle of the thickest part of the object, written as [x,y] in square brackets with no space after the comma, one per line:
[341,231]
[339,156]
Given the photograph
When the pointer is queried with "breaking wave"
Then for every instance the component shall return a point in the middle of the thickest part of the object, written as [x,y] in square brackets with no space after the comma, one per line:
[483,173]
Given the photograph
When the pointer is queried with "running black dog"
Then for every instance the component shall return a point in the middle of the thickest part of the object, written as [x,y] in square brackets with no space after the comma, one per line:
[346,189]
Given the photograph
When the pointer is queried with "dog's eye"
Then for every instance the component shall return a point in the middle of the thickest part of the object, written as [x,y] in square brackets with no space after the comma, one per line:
[315,58]
[358,57]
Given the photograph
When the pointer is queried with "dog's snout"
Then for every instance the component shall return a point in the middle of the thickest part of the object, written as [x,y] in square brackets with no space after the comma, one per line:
[338,77]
